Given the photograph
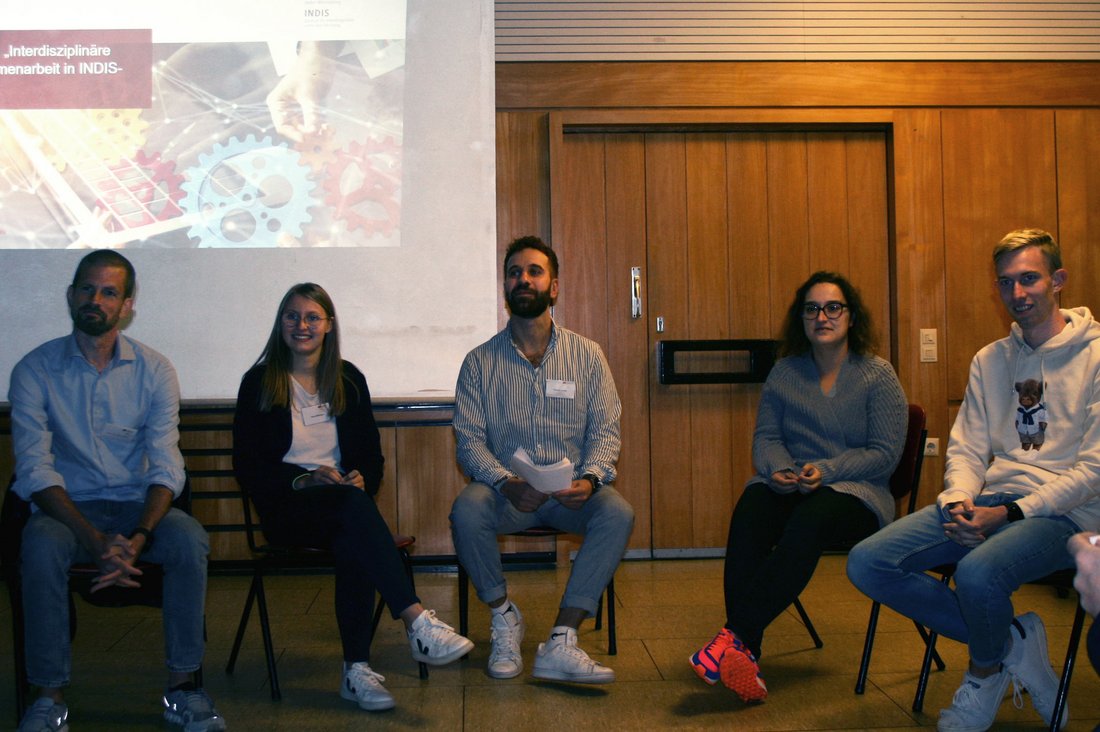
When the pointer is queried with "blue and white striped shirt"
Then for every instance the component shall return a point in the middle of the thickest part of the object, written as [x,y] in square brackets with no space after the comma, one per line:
[501,404]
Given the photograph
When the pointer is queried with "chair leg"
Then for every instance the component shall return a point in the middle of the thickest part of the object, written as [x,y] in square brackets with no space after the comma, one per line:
[265,630]
[808,623]
[241,626]
[19,648]
[463,602]
[868,644]
[407,561]
[599,613]
[924,636]
[612,647]
[1067,669]
[256,595]
[925,667]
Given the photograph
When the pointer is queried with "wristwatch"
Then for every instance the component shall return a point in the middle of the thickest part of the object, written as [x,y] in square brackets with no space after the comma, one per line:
[144,532]
[593,480]
[1015,513]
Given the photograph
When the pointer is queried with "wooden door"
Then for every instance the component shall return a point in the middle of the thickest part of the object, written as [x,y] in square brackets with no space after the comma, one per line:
[724,226]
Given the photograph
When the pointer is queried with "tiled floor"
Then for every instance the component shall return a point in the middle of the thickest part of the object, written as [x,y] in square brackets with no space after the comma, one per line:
[666,609]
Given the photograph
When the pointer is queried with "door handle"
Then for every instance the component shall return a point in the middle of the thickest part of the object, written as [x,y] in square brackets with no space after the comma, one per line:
[635,292]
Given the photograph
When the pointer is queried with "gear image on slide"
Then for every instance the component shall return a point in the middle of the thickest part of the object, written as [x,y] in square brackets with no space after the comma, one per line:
[248,193]
[364,186]
[138,192]
[318,148]
[121,133]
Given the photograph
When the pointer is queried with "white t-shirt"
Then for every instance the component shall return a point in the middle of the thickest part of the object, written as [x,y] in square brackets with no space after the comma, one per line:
[314,442]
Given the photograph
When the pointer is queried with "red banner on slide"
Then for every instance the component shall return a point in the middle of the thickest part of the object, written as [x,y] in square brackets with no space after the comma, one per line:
[76,69]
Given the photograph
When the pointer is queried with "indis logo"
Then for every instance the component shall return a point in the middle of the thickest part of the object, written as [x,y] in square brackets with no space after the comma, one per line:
[316,12]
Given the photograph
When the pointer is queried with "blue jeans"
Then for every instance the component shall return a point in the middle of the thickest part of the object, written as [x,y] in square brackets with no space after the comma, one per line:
[889,567]
[479,514]
[49,548]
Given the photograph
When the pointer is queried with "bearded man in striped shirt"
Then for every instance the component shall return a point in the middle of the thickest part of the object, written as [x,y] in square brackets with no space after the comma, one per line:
[541,388]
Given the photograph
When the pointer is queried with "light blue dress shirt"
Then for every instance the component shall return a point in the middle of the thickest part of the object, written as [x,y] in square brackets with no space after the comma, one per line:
[99,435]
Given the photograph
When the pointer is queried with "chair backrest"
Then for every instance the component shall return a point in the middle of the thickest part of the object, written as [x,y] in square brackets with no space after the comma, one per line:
[906,476]
[13,517]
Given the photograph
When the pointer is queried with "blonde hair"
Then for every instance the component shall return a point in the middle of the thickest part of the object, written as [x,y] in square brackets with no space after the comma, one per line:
[1019,239]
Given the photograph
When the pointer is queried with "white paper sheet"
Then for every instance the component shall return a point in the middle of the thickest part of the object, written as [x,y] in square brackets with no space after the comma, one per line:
[543,478]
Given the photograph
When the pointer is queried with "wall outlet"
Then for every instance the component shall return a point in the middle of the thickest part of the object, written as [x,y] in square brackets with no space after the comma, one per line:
[932,447]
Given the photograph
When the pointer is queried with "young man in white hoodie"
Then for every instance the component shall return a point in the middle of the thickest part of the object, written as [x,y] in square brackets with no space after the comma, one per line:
[1008,505]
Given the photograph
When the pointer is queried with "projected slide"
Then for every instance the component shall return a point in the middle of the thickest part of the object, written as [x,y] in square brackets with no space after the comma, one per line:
[232,149]
[114,138]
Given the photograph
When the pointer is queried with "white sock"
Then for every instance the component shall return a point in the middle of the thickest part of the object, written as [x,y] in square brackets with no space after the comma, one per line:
[502,608]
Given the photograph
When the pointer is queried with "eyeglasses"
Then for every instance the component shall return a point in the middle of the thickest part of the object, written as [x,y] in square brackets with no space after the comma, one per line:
[312,320]
[832,310]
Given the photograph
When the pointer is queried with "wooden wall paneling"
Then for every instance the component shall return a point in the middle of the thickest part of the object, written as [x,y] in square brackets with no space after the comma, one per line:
[827,203]
[628,341]
[920,300]
[670,424]
[788,215]
[209,431]
[386,499]
[868,232]
[523,174]
[755,309]
[580,239]
[428,479]
[999,174]
[709,317]
[762,85]
[1079,205]
[523,181]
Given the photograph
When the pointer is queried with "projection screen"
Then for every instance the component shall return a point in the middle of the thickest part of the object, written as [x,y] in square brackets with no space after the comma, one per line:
[232,149]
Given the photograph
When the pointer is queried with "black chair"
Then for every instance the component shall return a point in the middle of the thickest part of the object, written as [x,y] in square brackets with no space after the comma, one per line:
[275,559]
[537,532]
[1062,581]
[13,517]
[903,482]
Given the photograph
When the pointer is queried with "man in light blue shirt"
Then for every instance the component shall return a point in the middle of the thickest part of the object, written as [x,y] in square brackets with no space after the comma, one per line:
[540,387]
[95,430]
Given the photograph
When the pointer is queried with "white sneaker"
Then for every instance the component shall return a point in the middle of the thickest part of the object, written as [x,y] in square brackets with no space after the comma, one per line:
[975,704]
[434,642]
[364,686]
[561,659]
[45,715]
[505,660]
[1029,666]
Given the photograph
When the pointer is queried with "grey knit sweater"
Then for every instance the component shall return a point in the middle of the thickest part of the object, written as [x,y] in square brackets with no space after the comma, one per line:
[854,435]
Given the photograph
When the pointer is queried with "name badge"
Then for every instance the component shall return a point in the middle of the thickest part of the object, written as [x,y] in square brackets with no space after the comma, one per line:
[315,414]
[561,389]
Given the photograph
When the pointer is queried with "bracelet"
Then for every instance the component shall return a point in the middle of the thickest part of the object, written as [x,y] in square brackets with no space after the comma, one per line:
[294,483]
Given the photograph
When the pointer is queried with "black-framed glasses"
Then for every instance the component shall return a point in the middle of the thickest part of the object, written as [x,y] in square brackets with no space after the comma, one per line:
[312,320]
[832,310]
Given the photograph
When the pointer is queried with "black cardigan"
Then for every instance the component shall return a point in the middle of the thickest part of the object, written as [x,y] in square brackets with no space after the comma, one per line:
[261,439]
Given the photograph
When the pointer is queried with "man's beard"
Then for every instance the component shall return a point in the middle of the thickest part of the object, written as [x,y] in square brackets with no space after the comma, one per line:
[90,326]
[528,307]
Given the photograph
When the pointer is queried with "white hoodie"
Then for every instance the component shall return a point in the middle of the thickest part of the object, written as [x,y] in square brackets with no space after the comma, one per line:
[1062,476]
